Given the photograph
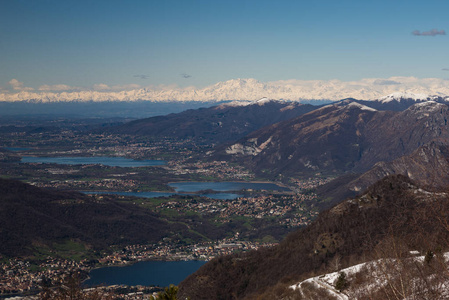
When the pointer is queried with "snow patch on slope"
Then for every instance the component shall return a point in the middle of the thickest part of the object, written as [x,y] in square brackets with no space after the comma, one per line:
[379,274]
[262,101]
[327,281]
[235,104]
[360,106]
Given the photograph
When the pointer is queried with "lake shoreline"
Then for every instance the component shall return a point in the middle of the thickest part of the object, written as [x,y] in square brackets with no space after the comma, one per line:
[130,263]
[110,161]
[114,270]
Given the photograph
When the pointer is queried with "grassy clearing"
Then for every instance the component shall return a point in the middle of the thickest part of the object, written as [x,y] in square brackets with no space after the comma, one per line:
[71,250]
[171,213]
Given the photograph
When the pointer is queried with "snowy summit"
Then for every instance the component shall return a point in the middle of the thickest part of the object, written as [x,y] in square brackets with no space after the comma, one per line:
[404,95]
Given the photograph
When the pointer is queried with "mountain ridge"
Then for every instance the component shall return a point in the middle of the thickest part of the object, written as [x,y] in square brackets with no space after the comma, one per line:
[338,138]
[216,124]
[245,89]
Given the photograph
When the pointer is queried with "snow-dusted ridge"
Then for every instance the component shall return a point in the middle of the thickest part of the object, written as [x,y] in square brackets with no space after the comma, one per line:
[429,103]
[261,101]
[347,104]
[425,108]
[236,104]
[398,96]
[360,106]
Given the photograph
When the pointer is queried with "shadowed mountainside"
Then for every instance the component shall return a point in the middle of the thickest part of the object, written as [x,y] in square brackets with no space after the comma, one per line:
[222,123]
[427,166]
[31,216]
[342,137]
[392,208]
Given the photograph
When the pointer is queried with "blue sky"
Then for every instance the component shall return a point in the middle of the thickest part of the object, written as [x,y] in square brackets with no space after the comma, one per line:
[82,43]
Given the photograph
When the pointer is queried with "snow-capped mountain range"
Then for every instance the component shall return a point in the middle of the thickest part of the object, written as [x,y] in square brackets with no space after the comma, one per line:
[247,89]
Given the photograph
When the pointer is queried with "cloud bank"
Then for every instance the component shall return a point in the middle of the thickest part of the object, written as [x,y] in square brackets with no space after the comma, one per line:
[386,82]
[18,86]
[124,87]
[432,32]
[142,76]
[58,87]
[234,89]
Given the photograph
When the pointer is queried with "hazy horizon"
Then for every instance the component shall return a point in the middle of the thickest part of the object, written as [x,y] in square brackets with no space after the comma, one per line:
[119,47]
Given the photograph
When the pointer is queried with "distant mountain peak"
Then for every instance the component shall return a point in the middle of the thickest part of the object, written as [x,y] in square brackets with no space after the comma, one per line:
[405,95]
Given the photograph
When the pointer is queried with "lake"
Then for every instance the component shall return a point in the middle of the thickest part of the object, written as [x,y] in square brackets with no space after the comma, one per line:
[16,149]
[182,188]
[224,186]
[102,160]
[218,196]
[159,273]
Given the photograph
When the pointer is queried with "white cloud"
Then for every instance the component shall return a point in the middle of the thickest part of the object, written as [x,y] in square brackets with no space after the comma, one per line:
[101,87]
[386,82]
[125,87]
[18,86]
[115,88]
[163,87]
[57,87]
